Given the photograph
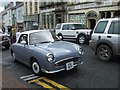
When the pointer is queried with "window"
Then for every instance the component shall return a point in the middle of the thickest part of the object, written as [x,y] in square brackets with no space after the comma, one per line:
[65,27]
[114,28]
[30,7]
[26,8]
[23,38]
[101,27]
[58,26]
[36,6]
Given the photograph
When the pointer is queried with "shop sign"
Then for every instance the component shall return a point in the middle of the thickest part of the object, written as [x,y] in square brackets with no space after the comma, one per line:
[91,5]
[47,10]
[31,18]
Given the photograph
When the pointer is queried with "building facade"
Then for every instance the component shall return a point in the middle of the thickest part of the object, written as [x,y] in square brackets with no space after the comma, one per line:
[7,17]
[52,13]
[18,15]
[90,12]
[87,12]
[31,14]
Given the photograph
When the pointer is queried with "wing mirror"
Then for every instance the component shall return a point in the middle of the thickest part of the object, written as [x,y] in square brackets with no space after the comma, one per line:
[23,42]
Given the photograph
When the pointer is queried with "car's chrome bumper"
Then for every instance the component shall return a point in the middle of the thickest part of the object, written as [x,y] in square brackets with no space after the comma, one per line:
[43,70]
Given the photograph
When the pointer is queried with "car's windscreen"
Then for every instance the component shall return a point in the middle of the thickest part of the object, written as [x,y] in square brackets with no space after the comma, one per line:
[41,37]
[58,26]
[80,26]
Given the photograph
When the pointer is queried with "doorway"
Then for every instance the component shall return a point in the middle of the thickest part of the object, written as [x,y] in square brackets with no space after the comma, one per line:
[92,23]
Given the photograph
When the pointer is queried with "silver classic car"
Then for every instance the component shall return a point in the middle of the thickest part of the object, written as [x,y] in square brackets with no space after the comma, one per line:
[39,50]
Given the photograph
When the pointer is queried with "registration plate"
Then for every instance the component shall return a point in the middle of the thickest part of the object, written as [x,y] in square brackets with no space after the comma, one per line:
[69,65]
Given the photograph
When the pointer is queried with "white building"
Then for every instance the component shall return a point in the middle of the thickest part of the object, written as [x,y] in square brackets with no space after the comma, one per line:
[18,11]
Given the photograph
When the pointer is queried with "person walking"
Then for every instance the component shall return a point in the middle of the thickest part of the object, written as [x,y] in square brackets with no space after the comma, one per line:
[13,34]
[18,33]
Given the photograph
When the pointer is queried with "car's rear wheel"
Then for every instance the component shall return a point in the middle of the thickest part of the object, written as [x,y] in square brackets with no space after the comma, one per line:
[36,67]
[13,56]
[82,39]
[104,53]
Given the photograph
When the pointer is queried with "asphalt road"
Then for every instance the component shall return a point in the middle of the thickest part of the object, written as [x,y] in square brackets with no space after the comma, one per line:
[91,74]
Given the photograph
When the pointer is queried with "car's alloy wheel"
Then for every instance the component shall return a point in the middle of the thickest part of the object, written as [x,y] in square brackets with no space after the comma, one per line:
[60,37]
[81,39]
[104,53]
[36,67]
[13,56]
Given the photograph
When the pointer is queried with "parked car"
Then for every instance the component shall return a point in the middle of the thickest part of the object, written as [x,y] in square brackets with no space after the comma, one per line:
[76,31]
[39,50]
[105,39]
[4,40]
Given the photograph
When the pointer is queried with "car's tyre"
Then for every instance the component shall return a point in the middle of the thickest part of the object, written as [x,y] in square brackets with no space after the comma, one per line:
[104,53]
[13,56]
[36,67]
[60,37]
[82,39]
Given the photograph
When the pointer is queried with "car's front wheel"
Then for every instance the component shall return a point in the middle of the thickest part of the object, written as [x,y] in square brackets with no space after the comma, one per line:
[104,53]
[36,67]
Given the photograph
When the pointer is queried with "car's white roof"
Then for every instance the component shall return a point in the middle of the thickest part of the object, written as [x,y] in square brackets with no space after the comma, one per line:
[32,31]
[111,19]
[70,23]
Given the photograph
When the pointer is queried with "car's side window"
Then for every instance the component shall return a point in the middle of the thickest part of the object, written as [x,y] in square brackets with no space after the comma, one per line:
[114,28]
[101,27]
[72,27]
[23,37]
[65,27]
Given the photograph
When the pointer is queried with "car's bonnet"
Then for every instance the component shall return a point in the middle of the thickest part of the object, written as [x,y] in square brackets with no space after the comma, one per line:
[60,48]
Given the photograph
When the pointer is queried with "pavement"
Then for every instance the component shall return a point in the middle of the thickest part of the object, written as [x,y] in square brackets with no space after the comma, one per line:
[9,82]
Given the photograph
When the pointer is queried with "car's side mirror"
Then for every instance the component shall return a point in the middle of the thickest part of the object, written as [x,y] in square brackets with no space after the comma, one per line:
[23,42]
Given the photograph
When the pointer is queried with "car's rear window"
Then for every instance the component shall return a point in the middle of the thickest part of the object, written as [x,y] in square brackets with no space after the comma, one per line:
[58,26]
[101,27]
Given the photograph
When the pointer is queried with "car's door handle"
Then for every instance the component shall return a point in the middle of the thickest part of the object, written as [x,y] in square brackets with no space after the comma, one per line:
[108,36]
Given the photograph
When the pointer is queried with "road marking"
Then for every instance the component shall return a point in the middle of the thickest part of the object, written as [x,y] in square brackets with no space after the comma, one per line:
[30,78]
[49,81]
[44,85]
[27,76]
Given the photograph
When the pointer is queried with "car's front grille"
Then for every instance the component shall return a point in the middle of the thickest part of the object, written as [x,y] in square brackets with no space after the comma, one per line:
[61,63]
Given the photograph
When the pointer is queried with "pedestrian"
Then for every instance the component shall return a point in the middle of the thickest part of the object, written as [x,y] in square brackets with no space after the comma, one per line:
[18,33]
[13,34]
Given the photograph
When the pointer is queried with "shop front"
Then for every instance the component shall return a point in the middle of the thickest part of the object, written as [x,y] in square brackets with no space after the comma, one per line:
[31,22]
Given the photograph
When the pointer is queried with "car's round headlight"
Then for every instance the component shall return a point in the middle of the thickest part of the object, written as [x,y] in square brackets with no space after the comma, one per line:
[80,51]
[50,57]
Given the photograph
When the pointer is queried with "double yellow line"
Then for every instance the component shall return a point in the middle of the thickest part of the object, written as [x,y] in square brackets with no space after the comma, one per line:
[44,85]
